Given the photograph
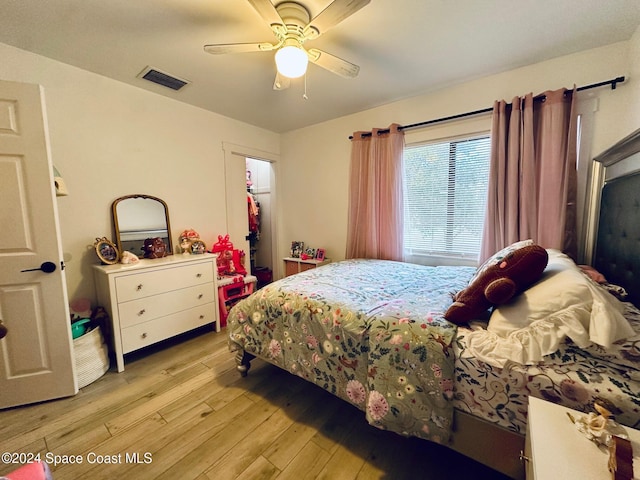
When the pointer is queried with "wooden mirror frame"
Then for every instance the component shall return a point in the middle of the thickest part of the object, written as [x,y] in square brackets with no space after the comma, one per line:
[114,214]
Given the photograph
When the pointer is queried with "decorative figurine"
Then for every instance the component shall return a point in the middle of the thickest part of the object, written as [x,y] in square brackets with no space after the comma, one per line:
[187,238]
[129,258]
[154,248]
[599,428]
[185,245]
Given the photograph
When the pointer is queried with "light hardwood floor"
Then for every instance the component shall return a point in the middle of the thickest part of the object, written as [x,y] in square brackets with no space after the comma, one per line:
[186,412]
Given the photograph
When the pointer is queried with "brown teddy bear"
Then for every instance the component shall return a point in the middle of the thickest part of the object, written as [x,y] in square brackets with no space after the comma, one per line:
[496,282]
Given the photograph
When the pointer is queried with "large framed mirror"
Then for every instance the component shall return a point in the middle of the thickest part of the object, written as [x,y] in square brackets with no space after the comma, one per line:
[137,218]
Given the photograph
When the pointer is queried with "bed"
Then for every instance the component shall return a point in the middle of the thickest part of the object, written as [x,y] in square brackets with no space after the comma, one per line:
[372,333]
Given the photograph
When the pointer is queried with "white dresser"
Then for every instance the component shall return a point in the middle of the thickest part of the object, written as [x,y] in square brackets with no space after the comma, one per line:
[156,299]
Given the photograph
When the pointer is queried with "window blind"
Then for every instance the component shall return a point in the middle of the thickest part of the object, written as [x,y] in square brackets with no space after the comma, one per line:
[445,196]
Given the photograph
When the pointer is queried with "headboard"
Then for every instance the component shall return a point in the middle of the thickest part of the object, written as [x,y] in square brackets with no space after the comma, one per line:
[617,253]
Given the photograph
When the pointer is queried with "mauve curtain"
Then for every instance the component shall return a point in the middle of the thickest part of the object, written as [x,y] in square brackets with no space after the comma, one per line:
[533,179]
[375,195]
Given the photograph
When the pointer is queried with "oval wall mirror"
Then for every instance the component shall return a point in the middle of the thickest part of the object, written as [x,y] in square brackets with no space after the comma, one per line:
[138,217]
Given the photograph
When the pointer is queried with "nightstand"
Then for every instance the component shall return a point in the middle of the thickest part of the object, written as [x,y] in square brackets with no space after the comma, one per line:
[296,265]
[555,449]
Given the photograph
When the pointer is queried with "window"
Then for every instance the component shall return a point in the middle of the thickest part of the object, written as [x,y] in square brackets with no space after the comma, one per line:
[445,197]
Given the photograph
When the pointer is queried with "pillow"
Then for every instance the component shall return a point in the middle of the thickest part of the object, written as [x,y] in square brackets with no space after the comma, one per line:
[623,353]
[504,275]
[592,273]
[563,303]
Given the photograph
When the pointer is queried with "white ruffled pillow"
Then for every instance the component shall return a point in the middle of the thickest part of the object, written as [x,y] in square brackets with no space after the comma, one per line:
[563,303]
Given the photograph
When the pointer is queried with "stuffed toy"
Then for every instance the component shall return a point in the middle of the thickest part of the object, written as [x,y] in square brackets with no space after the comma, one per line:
[154,248]
[498,283]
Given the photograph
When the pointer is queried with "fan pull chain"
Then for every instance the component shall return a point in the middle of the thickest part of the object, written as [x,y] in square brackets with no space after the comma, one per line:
[304,95]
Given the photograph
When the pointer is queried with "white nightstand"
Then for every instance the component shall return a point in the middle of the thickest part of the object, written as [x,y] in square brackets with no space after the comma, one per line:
[557,450]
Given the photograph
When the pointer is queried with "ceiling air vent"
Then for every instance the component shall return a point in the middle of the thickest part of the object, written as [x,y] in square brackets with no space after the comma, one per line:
[164,79]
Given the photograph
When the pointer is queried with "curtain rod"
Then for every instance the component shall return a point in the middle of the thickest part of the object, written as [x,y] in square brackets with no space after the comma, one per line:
[613,82]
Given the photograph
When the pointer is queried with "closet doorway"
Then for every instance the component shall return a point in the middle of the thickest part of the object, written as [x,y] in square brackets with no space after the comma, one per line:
[250,177]
[260,214]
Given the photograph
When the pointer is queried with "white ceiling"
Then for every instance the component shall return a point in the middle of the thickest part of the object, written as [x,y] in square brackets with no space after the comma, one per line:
[403,47]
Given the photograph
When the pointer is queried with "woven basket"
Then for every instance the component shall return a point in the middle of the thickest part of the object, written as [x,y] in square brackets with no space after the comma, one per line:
[92,357]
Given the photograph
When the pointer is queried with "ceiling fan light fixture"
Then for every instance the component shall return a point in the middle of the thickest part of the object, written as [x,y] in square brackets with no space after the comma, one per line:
[291,61]
[292,25]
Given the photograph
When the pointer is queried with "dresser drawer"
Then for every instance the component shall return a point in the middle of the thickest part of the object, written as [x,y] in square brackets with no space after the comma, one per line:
[148,333]
[154,306]
[140,285]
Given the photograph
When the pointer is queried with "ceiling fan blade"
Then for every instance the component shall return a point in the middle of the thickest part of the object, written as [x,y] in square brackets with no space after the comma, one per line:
[333,64]
[221,48]
[336,12]
[267,11]
[281,82]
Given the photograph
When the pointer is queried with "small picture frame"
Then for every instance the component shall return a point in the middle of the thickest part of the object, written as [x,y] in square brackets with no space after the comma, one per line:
[320,254]
[198,247]
[297,248]
[107,251]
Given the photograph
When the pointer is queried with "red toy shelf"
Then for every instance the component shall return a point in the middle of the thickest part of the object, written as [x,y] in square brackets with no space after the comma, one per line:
[231,290]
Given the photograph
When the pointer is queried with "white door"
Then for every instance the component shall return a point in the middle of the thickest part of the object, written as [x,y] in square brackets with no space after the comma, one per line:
[36,356]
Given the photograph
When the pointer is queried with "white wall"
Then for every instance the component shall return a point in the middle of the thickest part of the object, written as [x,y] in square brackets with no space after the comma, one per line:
[110,139]
[314,166]
[631,121]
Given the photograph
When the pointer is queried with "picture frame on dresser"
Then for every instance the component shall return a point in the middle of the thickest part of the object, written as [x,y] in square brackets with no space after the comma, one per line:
[107,251]
[320,253]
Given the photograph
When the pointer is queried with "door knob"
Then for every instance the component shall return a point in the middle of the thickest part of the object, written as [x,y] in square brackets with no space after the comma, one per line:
[46,267]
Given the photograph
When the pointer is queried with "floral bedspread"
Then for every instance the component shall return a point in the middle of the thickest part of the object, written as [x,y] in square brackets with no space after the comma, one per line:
[371,332]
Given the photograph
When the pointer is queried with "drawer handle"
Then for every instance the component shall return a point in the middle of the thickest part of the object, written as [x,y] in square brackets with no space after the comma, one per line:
[200,296]
[141,312]
[524,458]
[201,317]
[139,287]
[144,335]
[198,275]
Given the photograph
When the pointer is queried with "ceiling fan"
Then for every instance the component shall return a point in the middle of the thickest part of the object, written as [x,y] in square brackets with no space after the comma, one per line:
[292,26]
